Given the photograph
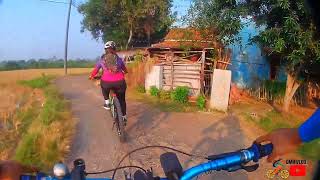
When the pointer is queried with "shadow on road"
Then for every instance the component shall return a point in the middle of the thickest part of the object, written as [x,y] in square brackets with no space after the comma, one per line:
[220,137]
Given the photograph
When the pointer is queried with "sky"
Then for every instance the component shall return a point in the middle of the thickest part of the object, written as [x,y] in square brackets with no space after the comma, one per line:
[36,29]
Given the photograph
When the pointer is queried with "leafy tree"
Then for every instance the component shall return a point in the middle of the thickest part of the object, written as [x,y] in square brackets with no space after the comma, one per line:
[218,20]
[290,34]
[121,20]
[287,31]
[157,18]
[10,65]
[221,17]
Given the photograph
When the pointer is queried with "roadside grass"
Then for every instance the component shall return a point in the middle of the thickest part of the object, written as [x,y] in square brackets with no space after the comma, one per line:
[47,129]
[35,121]
[272,120]
[19,105]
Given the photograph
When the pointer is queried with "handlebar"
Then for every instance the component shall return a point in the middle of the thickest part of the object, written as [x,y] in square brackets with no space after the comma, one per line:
[95,78]
[231,161]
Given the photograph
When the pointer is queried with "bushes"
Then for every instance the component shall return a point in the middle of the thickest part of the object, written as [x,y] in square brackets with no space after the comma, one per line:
[201,102]
[180,94]
[154,91]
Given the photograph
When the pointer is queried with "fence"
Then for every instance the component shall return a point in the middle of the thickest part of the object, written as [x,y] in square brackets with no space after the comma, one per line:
[304,95]
[182,75]
[207,83]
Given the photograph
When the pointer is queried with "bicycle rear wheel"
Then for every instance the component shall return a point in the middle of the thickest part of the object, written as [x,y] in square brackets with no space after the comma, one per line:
[112,108]
[119,119]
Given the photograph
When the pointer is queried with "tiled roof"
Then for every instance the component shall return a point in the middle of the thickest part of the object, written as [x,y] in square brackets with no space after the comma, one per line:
[182,38]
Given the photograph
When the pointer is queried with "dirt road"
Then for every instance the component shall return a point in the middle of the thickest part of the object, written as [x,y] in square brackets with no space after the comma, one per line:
[199,133]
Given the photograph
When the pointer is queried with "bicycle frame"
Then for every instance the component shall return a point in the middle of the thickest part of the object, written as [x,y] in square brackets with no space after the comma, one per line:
[229,161]
[117,114]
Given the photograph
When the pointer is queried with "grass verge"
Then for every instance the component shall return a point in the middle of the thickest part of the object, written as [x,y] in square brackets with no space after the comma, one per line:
[46,139]
[274,120]
[165,105]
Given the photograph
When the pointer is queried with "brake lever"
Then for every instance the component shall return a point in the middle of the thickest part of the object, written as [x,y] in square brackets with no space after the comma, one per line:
[251,168]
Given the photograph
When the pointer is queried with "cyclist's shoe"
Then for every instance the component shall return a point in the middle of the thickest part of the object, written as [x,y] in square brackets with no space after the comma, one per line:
[125,120]
[119,133]
[106,106]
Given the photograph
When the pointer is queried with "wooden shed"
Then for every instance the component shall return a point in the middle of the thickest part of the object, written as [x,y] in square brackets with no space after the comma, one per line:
[186,58]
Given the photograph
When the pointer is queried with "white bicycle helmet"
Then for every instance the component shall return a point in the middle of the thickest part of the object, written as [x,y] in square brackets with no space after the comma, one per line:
[110,44]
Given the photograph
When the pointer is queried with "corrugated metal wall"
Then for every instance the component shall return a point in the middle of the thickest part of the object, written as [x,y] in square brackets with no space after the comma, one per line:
[182,75]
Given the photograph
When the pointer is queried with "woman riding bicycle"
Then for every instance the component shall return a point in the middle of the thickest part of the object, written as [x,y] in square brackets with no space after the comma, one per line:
[113,76]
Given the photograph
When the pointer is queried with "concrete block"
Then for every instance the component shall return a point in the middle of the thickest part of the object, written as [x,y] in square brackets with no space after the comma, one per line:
[154,77]
[220,89]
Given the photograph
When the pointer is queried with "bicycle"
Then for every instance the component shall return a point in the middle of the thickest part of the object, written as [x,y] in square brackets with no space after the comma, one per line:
[116,114]
[231,161]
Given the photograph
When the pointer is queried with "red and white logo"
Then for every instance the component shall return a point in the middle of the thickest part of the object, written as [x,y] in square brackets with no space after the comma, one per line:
[297,170]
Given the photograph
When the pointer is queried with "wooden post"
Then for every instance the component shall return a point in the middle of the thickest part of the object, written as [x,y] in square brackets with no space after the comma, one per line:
[203,59]
[172,69]
[215,64]
[219,58]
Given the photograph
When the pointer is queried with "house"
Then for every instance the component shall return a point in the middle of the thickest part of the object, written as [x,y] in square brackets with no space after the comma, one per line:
[183,58]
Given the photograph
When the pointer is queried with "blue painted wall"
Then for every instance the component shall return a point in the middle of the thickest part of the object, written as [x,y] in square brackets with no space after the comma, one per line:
[248,64]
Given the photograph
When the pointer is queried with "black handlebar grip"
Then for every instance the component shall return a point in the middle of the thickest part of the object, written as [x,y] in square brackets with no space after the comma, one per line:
[171,165]
[78,172]
[266,150]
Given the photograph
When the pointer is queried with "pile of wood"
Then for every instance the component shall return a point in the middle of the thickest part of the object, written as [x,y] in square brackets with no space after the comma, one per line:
[223,59]
[178,57]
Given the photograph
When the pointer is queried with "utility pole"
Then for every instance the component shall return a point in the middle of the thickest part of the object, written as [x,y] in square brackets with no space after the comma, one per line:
[66,42]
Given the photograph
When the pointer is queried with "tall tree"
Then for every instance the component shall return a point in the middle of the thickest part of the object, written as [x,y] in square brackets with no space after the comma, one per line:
[122,20]
[157,17]
[219,20]
[221,17]
[288,32]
